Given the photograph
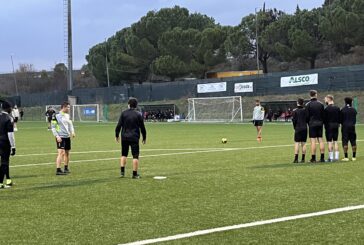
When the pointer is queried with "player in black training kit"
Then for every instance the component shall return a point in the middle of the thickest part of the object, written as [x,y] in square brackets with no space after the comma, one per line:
[7,143]
[49,114]
[300,130]
[131,124]
[348,121]
[332,124]
[315,120]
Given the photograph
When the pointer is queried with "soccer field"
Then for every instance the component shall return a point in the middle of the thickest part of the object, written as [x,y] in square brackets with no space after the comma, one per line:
[208,185]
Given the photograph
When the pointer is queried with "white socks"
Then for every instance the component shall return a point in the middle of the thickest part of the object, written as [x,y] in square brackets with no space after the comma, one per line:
[331,155]
[337,155]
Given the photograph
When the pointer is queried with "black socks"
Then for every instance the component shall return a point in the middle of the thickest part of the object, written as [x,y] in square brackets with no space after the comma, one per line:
[296,157]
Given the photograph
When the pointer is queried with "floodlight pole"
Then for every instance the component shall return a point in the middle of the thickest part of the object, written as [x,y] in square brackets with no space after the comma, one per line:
[15,82]
[107,65]
[70,58]
[256,39]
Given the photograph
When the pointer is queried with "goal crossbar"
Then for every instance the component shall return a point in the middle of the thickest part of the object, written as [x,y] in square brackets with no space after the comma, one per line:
[215,109]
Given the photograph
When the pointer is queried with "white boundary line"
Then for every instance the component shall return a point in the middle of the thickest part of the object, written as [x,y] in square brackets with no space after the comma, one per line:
[246,225]
[177,149]
[116,158]
[159,155]
[107,151]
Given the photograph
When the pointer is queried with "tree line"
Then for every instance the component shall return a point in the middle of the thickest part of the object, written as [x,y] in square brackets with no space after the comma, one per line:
[173,42]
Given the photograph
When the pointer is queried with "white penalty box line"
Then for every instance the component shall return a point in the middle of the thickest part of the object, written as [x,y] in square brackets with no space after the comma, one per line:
[199,150]
[159,155]
[246,225]
[167,149]
[110,151]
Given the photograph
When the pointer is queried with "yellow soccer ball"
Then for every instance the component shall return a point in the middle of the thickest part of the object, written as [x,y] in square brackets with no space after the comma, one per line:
[224,140]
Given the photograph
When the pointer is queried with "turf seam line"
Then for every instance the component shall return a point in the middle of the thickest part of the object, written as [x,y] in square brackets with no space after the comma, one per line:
[246,225]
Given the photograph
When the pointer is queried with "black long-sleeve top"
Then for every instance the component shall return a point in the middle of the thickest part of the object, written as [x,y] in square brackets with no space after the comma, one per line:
[315,113]
[348,116]
[131,125]
[332,117]
[299,119]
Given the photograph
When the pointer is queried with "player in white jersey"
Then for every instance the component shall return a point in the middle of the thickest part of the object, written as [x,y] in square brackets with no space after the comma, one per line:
[258,118]
[63,130]
[16,115]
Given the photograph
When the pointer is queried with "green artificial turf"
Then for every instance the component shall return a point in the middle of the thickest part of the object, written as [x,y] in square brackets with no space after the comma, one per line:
[208,185]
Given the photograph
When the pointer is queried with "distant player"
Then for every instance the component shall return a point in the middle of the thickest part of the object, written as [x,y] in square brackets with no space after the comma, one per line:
[62,129]
[332,124]
[131,125]
[21,112]
[300,130]
[7,144]
[348,133]
[16,115]
[49,114]
[258,118]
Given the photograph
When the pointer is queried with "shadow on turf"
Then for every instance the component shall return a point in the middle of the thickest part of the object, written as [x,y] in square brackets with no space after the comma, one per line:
[71,184]
[292,165]
[24,176]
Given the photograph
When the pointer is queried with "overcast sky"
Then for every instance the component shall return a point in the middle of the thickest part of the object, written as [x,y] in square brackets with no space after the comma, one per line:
[32,30]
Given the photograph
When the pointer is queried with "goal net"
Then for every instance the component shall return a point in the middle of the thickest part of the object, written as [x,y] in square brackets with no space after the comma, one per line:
[86,113]
[215,109]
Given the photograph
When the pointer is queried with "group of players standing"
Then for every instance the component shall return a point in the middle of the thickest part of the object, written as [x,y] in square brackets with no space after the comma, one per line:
[316,116]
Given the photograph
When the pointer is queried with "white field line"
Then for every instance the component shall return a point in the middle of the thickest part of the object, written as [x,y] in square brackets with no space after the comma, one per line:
[178,149]
[116,158]
[158,155]
[107,151]
[246,225]
[166,154]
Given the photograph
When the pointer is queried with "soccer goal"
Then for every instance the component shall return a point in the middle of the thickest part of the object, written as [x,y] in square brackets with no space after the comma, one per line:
[215,109]
[56,108]
[86,113]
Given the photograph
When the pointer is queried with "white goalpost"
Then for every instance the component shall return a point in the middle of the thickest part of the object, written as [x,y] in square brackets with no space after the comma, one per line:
[86,113]
[215,109]
[81,113]
[56,108]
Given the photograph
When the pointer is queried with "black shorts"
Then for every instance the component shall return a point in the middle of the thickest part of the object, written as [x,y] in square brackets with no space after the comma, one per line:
[258,123]
[134,148]
[300,136]
[5,154]
[332,134]
[316,132]
[65,144]
[16,119]
[49,119]
[348,134]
